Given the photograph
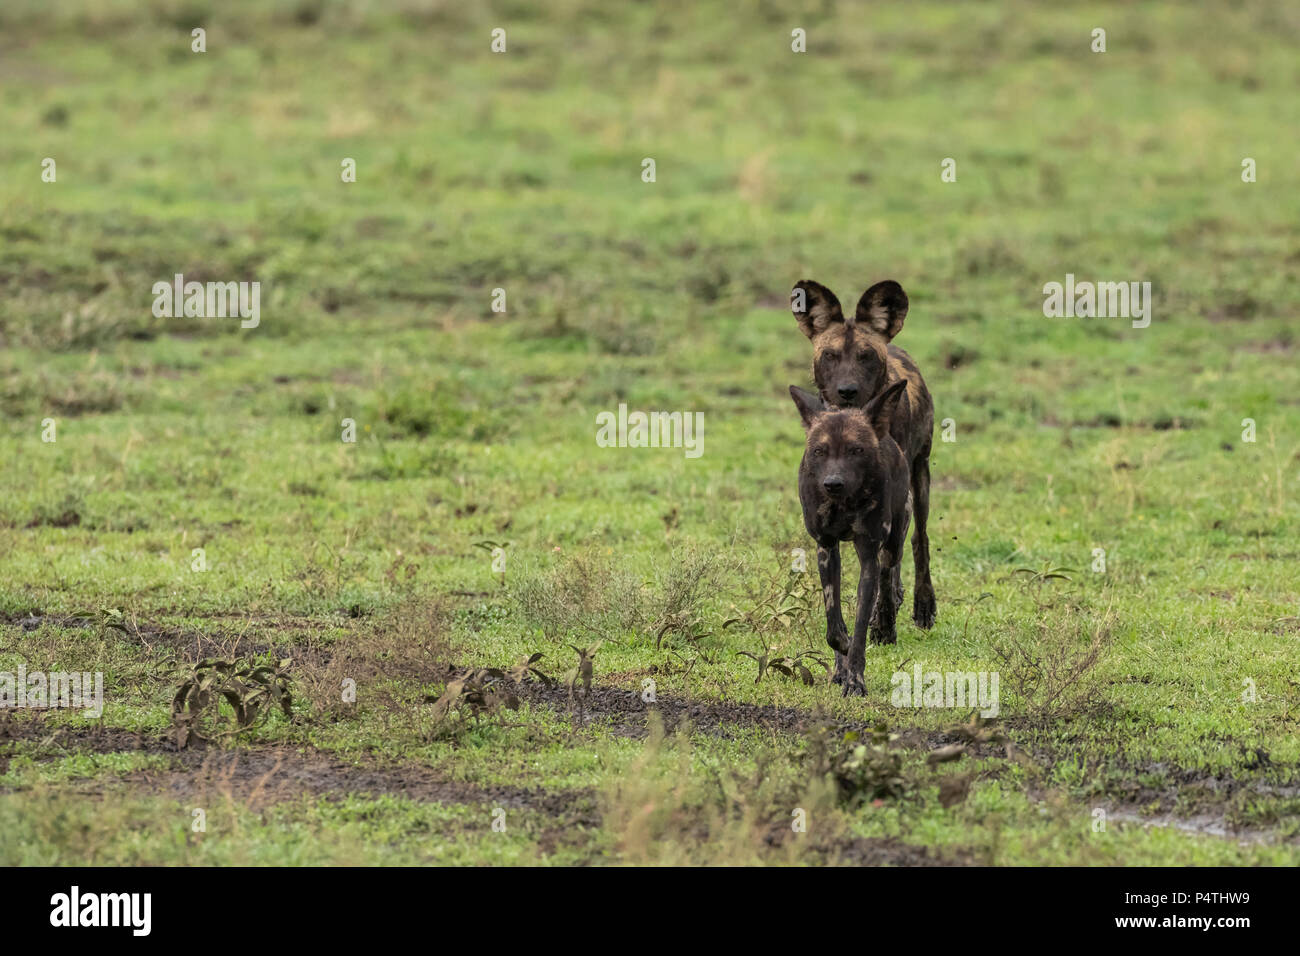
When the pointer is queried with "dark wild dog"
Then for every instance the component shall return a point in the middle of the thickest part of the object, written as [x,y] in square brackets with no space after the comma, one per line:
[853,361]
[853,485]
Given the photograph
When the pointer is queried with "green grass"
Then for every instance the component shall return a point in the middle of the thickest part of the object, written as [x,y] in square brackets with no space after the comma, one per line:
[522,171]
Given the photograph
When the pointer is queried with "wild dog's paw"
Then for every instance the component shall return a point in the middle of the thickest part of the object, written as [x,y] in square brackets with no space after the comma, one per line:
[923,611]
[854,686]
[884,637]
[841,672]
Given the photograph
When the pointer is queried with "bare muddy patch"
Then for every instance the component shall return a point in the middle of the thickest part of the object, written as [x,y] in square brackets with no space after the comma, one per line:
[1202,824]
[261,776]
[624,714]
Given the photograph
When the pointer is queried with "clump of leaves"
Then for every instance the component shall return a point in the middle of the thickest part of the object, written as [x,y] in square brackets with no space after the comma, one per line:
[525,670]
[475,693]
[583,669]
[862,769]
[220,698]
[787,665]
[113,619]
[979,730]
[869,770]
[689,625]
[779,604]
[1038,577]
[1033,583]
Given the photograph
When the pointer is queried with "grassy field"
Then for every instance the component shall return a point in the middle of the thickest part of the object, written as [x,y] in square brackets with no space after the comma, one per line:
[1149,693]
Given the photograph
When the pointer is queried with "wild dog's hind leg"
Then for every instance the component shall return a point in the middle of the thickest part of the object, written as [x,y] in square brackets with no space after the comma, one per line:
[923,604]
[895,588]
[883,628]
[883,631]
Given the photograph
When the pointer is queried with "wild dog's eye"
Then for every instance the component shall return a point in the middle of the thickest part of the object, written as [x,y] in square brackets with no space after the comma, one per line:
[863,356]
[855,451]
[819,452]
[833,356]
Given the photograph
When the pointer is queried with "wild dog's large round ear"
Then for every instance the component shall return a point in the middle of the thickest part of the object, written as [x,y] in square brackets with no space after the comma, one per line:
[814,306]
[880,411]
[810,404]
[883,308]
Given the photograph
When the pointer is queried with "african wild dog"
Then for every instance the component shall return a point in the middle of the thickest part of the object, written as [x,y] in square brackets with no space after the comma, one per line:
[852,361]
[853,485]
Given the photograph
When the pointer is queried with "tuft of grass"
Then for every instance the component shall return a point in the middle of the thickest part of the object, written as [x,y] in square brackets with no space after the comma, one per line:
[1055,671]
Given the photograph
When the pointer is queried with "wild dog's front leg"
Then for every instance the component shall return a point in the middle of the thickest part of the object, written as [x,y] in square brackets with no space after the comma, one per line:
[868,588]
[841,672]
[828,566]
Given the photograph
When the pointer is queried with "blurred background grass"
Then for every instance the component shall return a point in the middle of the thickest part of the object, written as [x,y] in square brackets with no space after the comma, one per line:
[522,171]
[477,170]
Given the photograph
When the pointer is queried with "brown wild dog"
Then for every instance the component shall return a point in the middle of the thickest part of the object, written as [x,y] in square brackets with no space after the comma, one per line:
[853,361]
[854,486]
